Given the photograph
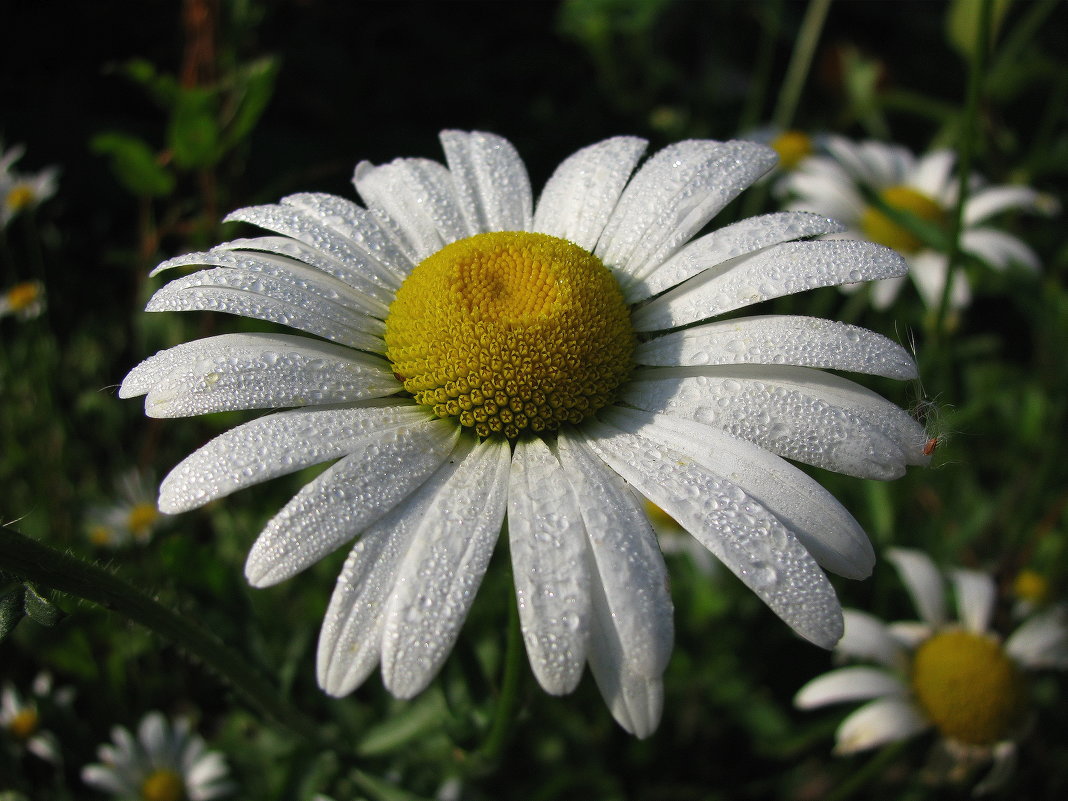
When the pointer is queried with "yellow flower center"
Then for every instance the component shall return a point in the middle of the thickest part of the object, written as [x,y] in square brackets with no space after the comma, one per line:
[142,517]
[100,535]
[792,147]
[24,723]
[511,332]
[968,686]
[19,197]
[163,785]
[878,226]
[1031,586]
[22,296]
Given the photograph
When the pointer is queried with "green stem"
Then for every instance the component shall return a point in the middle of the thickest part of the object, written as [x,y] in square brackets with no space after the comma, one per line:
[800,61]
[873,768]
[507,703]
[976,70]
[35,562]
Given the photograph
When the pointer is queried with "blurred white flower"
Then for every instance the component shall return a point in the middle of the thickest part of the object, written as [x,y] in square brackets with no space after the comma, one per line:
[25,300]
[21,191]
[840,183]
[132,519]
[22,716]
[164,762]
[490,358]
[957,677]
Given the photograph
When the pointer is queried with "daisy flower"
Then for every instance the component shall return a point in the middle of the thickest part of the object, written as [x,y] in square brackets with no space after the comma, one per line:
[489,359]
[957,677]
[132,519]
[25,300]
[20,191]
[22,719]
[840,183]
[164,762]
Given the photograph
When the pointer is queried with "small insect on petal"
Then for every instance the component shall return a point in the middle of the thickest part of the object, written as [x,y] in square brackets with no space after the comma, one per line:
[931,446]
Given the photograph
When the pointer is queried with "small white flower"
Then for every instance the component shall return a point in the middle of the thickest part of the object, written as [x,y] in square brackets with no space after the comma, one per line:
[132,519]
[164,762]
[492,358]
[20,191]
[22,718]
[835,184]
[955,676]
[25,300]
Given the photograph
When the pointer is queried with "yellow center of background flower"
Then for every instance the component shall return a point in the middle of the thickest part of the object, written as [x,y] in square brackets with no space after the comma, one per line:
[1031,586]
[19,198]
[968,686]
[24,723]
[878,227]
[792,147]
[511,332]
[163,785]
[21,296]
[142,517]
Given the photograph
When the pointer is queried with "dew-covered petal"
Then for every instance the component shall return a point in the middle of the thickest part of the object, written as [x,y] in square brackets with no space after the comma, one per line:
[274,299]
[738,239]
[416,201]
[580,195]
[848,684]
[779,270]
[673,195]
[998,249]
[882,721]
[923,582]
[867,637]
[741,533]
[820,523]
[365,248]
[975,593]
[276,445]
[1042,642]
[547,541]
[350,642]
[800,414]
[632,630]
[780,339]
[379,472]
[439,576]
[491,181]
[254,371]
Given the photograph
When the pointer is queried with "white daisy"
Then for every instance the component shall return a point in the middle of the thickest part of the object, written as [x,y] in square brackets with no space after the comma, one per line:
[25,300]
[957,677]
[22,716]
[20,191]
[132,519]
[164,762]
[490,358]
[838,185]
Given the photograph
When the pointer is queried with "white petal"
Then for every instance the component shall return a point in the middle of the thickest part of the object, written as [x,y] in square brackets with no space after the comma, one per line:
[867,637]
[975,594]
[798,413]
[780,339]
[380,472]
[415,200]
[985,203]
[632,631]
[105,778]
[580,195]
[1004,759]
[780,270]
[273,446]
[741,533]
[439,576]
[927,269]
[811,513]
[277,300]
[724,244]
[998,249]
[848,684]
[364,247]
[491,181]
[1042,642]
[910,633]
[923,581]
[255,371]
[931,174]
[822,186]
[350,642]
[153,734]
[883,721]
[547,541]
[883,293]
[673,195]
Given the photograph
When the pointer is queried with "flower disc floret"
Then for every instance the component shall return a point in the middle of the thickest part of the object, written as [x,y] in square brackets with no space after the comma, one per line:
[510,332]
[878,226]
[968,686]
[163,785]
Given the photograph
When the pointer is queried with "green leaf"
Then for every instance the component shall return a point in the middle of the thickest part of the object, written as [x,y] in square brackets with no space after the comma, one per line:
[163,88]
[254,87]
[11,611]
[963,20]
[423,715]
[38,608]
[193,133]
[134,164]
